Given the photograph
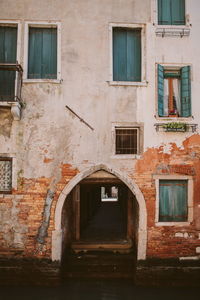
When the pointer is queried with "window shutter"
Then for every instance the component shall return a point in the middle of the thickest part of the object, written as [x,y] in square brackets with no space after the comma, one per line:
[173,201]
[185,92]
[35,53]
[178,12]
[164,12]
[42,62]
[8,44]
[160,91]
[164,202]
[119,54]
[133,55]
[8,50]
[179,200]
[126,54]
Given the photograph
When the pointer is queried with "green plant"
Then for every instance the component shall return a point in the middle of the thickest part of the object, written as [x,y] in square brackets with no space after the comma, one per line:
[175,125]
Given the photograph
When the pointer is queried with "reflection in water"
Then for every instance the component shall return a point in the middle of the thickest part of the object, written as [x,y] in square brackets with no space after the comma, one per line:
[97,290]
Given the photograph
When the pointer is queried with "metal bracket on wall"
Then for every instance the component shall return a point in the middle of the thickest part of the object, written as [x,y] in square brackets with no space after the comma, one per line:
[79,117]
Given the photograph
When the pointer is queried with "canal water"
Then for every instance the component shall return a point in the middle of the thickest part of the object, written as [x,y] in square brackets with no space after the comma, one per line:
[98,290]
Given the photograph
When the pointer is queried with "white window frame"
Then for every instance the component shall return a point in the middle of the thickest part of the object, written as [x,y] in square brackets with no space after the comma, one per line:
[189,199]
[42,24]
[140,134]
[18,24]
[170,30]
[172,66]
[143,81]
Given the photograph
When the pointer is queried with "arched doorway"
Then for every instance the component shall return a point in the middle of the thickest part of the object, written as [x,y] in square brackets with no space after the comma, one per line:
[134,234]
[100,213]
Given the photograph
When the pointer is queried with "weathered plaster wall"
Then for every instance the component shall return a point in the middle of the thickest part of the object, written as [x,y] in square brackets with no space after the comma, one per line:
[51,146]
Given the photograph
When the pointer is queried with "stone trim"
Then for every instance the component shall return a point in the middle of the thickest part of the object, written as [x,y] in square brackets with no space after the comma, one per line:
[142,228]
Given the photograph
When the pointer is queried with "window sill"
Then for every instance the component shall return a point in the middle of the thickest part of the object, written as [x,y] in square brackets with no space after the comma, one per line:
[6,104]
[127,83]
[125,156]
[172,30]
[42,81]
[173,223]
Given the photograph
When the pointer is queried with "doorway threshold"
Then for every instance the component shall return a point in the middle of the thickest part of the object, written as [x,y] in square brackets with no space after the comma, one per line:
[118,246]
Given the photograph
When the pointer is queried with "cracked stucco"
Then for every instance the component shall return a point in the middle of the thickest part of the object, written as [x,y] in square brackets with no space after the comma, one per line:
[11,228]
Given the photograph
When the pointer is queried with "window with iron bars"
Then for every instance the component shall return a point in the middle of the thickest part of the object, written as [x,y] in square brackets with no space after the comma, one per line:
[5,175]
[126,140]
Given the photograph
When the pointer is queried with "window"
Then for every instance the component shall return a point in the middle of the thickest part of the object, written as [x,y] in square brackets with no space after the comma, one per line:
[173,202]
[5,175]
[8,51]
[171,12]
[42,53]
[126,54]
[126,140]
[174,92]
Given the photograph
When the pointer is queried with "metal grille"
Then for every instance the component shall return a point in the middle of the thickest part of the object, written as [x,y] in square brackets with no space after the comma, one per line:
[126,141]
[5,175]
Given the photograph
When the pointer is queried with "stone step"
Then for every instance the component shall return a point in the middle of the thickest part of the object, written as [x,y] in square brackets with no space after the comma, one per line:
[98,265]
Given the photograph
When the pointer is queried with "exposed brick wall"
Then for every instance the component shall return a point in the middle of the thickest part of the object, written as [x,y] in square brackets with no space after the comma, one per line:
[30,197]
[162,241]
[23,209]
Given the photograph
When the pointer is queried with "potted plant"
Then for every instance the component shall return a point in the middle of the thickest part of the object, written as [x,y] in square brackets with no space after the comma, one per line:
[175,126]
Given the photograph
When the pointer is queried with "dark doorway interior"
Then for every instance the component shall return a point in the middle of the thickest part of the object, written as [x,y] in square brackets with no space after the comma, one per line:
[99,225]
[103,212]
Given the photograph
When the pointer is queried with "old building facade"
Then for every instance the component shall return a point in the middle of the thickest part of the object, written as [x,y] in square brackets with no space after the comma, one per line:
[109,98]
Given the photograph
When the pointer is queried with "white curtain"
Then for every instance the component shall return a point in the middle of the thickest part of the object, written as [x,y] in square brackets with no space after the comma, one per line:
[176,93]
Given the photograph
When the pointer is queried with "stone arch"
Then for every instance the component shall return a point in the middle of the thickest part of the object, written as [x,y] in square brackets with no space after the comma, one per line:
[142,228]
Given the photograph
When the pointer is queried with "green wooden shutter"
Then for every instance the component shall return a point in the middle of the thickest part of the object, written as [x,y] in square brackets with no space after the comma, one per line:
[180,213]
[119,54]
[164,12]
[178,12]
[42,61]
[8,50]
[126,55]
[185,92]
[35,53]
[133,55]
[164,202]
[173,201]
[160,91]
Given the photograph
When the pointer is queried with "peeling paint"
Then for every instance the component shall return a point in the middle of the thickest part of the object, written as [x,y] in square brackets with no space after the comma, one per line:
[12,229]
[42,232]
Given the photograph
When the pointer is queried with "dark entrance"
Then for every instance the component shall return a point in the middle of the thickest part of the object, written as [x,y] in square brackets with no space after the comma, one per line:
[100,224]
[103,212]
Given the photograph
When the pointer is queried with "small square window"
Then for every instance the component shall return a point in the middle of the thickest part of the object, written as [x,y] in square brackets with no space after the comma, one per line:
[173,200]
[126,140]
[174,91]
[171,12]
[42,53]
[5,175]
